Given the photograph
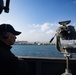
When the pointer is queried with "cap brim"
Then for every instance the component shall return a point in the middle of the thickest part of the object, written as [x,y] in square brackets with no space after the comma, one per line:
[16,33]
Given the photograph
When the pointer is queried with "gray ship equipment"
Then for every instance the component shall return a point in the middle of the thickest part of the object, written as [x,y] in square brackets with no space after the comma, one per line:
[65,32]
[6,7]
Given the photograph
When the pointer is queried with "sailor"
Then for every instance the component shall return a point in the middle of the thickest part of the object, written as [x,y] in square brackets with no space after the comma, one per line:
[9,63]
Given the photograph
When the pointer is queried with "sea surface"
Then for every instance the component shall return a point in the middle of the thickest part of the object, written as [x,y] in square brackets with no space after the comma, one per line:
[37,51]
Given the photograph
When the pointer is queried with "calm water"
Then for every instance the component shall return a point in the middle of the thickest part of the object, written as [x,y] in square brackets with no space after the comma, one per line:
[37,51]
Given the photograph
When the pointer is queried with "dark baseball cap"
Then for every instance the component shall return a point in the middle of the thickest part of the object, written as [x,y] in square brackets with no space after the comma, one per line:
[8,28]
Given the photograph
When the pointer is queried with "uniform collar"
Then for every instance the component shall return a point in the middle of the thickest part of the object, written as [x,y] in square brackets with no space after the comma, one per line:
[4,45]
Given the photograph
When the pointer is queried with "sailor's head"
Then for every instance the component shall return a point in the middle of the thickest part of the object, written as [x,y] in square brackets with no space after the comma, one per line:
[8,28]
[8,33]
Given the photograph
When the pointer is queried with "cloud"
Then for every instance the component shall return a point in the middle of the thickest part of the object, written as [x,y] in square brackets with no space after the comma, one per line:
[50,32]
[44,26]
[48,28]
[39,32]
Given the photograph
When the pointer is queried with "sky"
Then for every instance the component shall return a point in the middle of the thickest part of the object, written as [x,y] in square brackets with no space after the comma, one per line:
[38,19]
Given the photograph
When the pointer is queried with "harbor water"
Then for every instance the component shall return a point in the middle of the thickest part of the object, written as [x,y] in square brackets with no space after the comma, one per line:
[37,51]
